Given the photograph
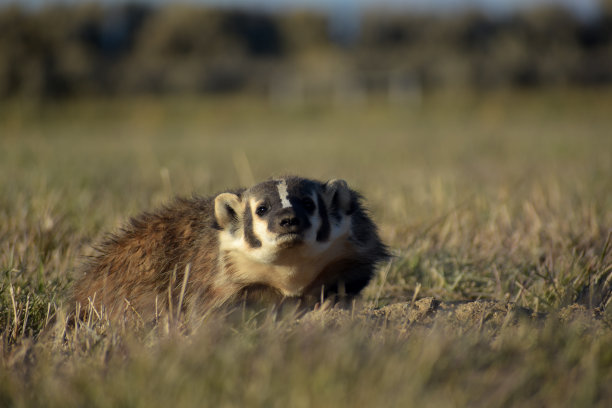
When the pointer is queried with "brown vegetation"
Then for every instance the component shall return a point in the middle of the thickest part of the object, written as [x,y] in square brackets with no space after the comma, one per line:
[497,208]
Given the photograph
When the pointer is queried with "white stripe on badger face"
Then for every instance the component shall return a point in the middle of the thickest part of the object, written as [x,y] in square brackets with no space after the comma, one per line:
[283,194]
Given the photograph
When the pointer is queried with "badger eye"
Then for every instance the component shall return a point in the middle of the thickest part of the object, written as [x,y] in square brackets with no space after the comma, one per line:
[261,210]
[308,204]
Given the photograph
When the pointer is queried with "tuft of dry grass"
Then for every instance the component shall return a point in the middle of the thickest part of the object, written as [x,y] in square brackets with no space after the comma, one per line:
[499,206]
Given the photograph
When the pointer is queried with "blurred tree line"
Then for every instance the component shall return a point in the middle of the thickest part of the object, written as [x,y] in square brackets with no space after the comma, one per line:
[62,50]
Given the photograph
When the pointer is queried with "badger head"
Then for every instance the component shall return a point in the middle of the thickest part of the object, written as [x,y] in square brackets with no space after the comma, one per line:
[292,225]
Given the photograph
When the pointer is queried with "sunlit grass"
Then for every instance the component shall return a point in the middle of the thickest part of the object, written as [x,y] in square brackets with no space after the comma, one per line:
[505,198]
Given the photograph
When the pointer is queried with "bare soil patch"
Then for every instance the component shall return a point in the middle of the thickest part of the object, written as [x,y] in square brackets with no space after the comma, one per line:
[427,312]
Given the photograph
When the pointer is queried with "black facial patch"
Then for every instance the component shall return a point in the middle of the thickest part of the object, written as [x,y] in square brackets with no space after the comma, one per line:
[324,230]
[334,209]
[298,187]
[249,235]
[308,205]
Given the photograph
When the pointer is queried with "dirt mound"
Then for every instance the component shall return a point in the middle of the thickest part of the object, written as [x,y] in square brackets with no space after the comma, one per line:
[426,312]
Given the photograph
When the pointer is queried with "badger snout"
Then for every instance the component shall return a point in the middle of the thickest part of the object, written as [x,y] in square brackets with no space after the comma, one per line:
[288,221]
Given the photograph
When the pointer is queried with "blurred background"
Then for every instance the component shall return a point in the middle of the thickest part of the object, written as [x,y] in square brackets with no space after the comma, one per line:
[290,51]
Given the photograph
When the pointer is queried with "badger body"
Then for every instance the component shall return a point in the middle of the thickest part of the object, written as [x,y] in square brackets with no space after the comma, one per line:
[287,238]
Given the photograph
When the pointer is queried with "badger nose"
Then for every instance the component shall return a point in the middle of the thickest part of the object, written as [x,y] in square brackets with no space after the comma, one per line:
[289,221]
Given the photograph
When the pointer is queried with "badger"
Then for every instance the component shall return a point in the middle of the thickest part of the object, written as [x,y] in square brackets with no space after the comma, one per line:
[285,238]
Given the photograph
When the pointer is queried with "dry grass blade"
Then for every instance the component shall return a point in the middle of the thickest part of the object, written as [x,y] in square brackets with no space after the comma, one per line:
[183,287]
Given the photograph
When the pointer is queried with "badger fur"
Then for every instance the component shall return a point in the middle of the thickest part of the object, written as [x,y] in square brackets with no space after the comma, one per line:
[286,238]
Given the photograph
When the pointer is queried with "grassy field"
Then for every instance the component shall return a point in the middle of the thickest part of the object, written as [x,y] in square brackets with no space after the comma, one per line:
[499,207]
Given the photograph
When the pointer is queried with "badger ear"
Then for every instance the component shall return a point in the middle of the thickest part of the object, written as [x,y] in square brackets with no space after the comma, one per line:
[227,208]
[338,195]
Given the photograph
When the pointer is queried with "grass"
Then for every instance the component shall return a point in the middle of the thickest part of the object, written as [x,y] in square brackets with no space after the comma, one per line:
[500,199]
